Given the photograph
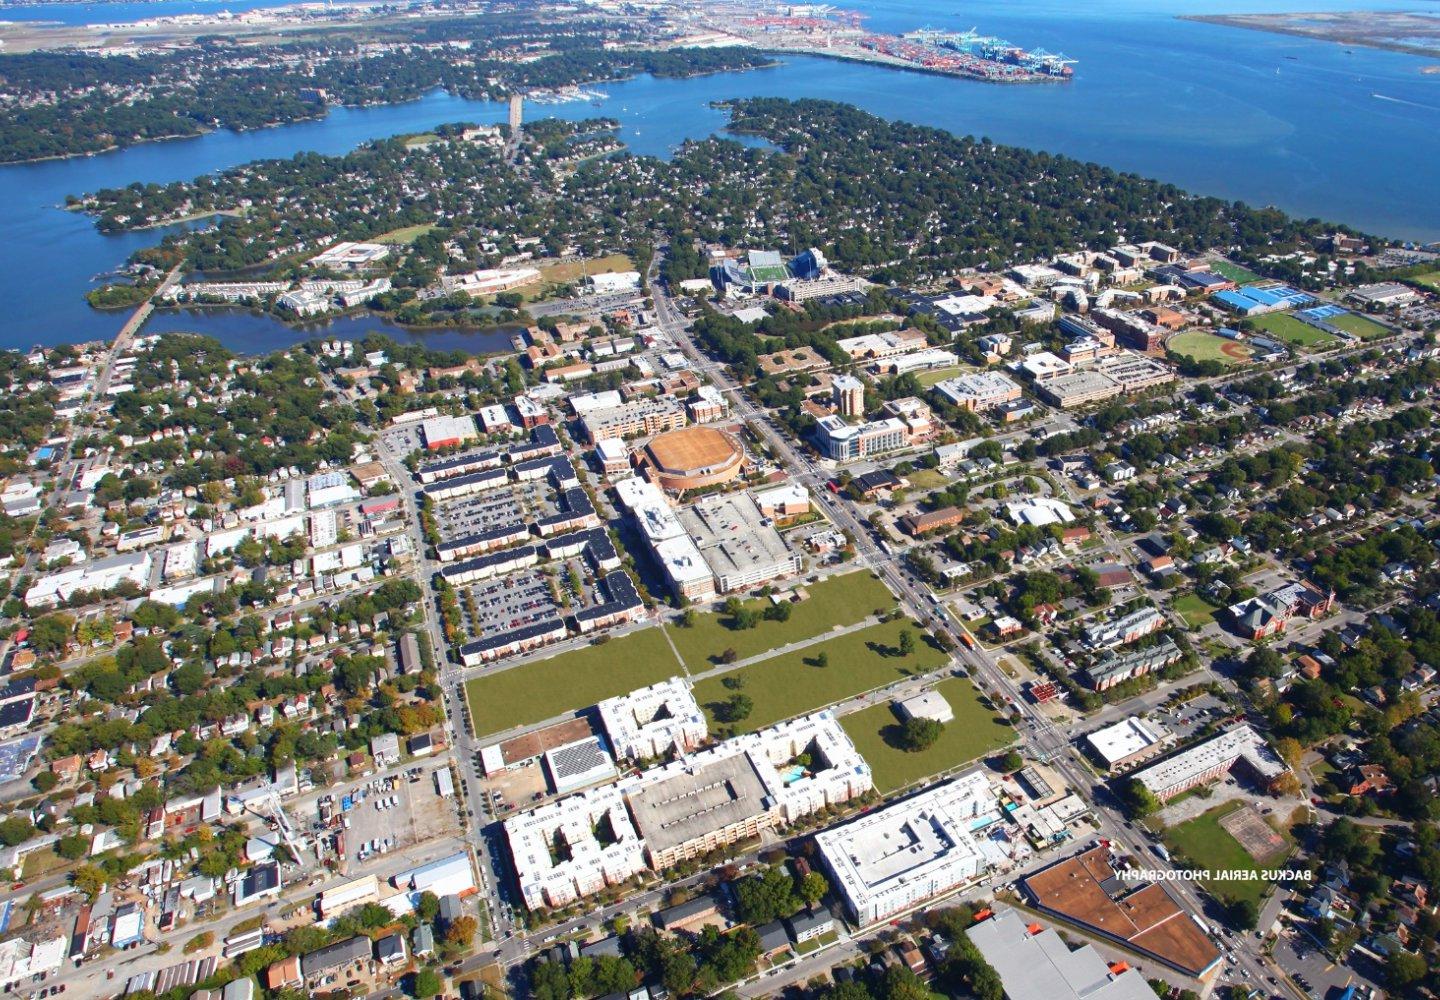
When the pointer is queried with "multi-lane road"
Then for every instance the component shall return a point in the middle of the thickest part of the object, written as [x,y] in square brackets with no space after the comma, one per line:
[1042,739]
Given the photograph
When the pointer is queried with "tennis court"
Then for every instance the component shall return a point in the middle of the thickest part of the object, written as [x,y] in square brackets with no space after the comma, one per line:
[1322,311]
[1263,298]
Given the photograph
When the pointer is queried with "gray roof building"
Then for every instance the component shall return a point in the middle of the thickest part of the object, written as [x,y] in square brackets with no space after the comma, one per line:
[1041,966]
[335,956]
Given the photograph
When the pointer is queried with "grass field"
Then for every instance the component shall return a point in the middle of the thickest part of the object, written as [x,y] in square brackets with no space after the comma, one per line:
[42,862]
[1206,844]
[405,236]
[1198,345]
[838,600]
[928,479]
[794,684]
[524,695]
[1196,611]
[929,378]
[974,732]
[556,273]
[1430,280]
[1292,331]
[1361,326]
[1235,272]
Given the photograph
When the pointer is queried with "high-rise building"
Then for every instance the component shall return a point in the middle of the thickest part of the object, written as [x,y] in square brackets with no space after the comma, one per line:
[849,395]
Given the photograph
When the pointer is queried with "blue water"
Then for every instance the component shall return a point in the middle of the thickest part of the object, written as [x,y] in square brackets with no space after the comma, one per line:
[1269,119]
[113,13]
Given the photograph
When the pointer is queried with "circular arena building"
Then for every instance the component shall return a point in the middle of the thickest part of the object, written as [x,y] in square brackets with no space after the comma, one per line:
[693,458]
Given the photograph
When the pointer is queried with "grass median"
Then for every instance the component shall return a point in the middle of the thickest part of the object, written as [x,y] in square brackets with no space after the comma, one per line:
[827,672]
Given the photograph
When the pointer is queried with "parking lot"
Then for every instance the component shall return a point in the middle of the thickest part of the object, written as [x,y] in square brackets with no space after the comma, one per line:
[508,603]
[390,813]
[1313,971]
[403,438]
[510,507]
[1187,719]
[516,787]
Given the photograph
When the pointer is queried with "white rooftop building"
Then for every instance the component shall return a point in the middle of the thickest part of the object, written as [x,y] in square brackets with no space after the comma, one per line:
[351,256]
[447,430]
[895,858]
[573,847]
[1037,964]
[1121,742]
[678,556]
[978,390]
[101,574]
[926,705]
[744,786]
[588,402]
[1039,511]
[654,720]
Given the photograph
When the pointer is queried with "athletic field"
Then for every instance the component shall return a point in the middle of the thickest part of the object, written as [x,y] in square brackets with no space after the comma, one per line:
[1201,345]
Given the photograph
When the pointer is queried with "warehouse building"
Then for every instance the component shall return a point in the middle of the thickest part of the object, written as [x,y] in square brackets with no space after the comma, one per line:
[1087,890]
[345,896]
[1035,963]
[576,765]
[446,431]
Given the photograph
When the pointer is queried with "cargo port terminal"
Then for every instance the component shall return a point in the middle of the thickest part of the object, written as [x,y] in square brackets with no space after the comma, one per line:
[828,31]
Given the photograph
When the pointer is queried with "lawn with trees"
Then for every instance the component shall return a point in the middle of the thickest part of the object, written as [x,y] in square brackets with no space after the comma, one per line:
[796,683]
[879,735]
[745,628]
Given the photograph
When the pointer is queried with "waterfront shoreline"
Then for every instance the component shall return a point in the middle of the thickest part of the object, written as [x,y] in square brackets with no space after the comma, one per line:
[1273,24]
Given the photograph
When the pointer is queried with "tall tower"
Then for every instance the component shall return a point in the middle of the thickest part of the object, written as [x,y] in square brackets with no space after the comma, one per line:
[517,108]
[849,395]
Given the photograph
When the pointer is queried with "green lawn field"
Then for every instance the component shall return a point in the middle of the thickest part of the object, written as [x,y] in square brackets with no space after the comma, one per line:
[1292,331]
[1195,610]
[405,235]
[1235,272]
[554,273]
[1361,326]
[794,683]
[933,375]
[836,600]
[534,692]
[1204,843]
[974,732]
[1199,345]
[1430,280]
